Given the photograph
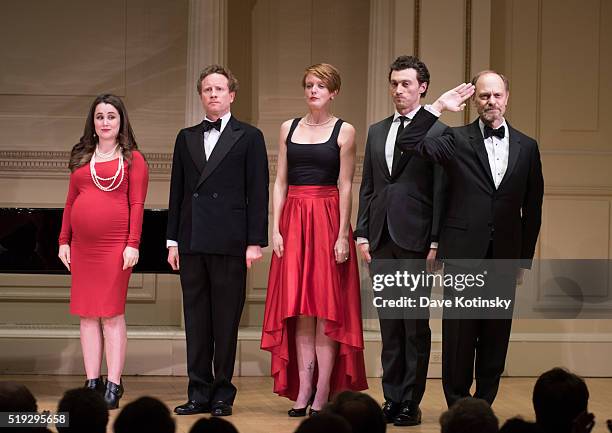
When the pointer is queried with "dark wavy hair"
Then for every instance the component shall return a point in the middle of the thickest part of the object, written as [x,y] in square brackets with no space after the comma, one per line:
[412,62]
[82,151]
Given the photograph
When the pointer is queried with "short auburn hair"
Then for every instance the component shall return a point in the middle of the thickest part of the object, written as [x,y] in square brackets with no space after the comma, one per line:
[326,73]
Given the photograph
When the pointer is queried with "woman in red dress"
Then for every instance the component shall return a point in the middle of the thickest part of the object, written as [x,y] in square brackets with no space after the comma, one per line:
[100,235]
[312,322]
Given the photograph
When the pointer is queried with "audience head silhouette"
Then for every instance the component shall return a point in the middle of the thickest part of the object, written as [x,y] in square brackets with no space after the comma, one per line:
[15,397]
[212,425]
[518,425]
[558,398]
[469,415]
[145,415]
[324,423]
[361,411]
[87,411]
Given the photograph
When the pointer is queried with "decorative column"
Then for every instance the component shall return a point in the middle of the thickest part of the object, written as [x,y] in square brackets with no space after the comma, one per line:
[380,55]
[206,44]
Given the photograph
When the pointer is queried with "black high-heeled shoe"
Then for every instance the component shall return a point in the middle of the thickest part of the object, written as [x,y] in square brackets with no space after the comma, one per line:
[113,394]
[313,412]
[295,413]
[96,385]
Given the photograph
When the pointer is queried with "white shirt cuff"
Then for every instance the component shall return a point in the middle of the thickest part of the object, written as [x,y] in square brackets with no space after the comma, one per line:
[360,241]
[432,110]
[171,243]
[434,246]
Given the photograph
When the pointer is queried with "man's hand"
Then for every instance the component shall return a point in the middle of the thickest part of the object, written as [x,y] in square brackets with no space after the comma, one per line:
[583,423]
[454,99]
[173,258]
[431,264]
[364,249]
[277,244]
[64,255]
[253,253]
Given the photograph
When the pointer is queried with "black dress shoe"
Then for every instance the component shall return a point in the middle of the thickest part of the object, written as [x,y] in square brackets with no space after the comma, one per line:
[221,408]
[113,394]
[390,410]
[313,412]
[191,408]
[96,385]
[409,414]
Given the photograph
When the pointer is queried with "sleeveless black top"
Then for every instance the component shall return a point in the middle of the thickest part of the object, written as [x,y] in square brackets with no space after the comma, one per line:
[313,164]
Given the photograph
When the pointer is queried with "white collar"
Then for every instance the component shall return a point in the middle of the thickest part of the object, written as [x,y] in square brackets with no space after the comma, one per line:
[410,115]
[504,124]
[224,119]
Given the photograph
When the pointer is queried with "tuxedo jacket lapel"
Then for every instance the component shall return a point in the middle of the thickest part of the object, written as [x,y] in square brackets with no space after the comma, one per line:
[401,164]
[379,148]
[228,138]
[514,149]
[195,145]
[477,143]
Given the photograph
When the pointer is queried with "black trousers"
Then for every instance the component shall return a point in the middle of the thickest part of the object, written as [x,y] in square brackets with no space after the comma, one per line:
[214,290]
[476,347]
[406,343]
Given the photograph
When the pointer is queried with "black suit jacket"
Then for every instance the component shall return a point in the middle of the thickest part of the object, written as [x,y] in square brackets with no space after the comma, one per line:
[476,213]
[410,198]
[219,206]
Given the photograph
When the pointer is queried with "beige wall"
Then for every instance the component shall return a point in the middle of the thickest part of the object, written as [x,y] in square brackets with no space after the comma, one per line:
[557,55]
[53,64]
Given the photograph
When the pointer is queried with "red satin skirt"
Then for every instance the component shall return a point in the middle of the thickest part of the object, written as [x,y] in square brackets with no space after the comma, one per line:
[307,281]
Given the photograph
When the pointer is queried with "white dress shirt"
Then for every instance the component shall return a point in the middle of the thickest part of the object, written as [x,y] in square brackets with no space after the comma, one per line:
[210,141]
[497,150]
[392,135]
[211,137]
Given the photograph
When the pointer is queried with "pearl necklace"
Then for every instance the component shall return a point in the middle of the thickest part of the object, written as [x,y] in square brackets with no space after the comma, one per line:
[318,124]
[97,179]
[107,155]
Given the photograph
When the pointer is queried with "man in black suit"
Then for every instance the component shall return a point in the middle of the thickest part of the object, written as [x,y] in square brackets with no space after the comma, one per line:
[399,210]
[217,224]
[493,211]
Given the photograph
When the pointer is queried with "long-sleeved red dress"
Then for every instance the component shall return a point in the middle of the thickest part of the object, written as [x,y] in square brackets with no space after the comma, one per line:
[98,225]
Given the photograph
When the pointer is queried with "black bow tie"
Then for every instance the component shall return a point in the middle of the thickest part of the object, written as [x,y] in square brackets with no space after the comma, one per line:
[208,125]
[499,132]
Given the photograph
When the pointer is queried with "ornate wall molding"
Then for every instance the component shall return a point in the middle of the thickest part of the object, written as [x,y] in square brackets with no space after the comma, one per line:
[23,164]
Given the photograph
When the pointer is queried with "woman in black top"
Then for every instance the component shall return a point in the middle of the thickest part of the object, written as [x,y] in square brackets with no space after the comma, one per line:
[312,322]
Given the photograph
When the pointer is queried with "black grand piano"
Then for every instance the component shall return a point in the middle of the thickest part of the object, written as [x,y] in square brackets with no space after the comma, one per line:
[28,241]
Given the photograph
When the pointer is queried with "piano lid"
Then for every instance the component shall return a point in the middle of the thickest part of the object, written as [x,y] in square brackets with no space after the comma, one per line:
[28,241]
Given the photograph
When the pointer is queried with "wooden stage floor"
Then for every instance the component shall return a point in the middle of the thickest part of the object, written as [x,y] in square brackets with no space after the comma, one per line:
[258,410]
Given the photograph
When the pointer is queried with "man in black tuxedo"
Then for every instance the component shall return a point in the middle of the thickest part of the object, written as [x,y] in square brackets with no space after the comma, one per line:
[400,202]
[493,211]
[217,224]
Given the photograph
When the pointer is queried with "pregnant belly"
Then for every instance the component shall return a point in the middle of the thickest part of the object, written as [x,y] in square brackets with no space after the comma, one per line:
[95,220]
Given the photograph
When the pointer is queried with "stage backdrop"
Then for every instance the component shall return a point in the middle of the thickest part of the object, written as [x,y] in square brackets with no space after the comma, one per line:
[56,56]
